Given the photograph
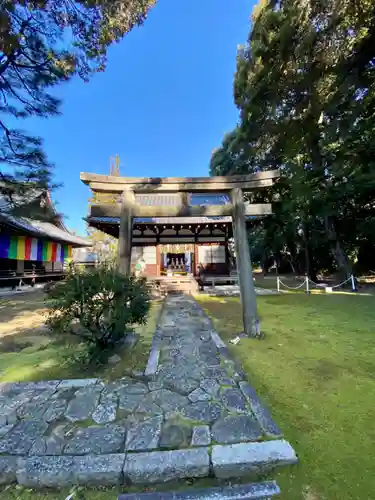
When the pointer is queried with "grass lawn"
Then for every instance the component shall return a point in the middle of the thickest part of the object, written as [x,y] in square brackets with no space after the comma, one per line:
[29,351]
[315,370]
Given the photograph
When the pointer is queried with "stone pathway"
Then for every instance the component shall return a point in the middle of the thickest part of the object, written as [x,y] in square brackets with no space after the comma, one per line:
[191,413]
[233,291]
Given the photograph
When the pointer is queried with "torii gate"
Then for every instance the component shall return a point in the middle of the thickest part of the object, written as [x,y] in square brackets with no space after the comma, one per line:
[233,185]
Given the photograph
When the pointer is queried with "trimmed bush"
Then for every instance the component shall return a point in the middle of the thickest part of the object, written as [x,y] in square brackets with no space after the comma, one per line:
[101,303]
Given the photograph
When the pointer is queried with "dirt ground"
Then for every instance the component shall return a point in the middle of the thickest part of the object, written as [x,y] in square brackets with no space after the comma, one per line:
[30,351]
[21,315]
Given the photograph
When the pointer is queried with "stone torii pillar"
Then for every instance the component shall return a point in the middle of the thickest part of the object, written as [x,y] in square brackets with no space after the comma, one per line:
[125,232]
[244,267]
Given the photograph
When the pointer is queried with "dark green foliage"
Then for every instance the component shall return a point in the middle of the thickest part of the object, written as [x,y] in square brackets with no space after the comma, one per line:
[305,87]
[44,43]
[103,303]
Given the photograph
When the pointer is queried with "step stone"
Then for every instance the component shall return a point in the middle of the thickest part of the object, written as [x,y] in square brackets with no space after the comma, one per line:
[57,471]
[163,466]
[252,491]
[236,460]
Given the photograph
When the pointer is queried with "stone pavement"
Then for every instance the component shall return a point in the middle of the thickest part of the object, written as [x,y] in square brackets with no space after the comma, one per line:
[190,414]
[233,291]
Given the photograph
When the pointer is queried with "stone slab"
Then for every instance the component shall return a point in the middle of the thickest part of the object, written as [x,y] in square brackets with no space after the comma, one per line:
[163,466]
[21,438]
[55,409]
[218,342]
[152,363]
[105,413]
[144,435]
[169,401]
[26,386]
[5,429]
[83,404]
[235,429]
[175,436]
[263,416]
[38,472]
[237,460]
[199,395]
[234,400]
[137,388]
[252,491]
[154,495]
[8,469]
[201,436]
[52,445]
[211,386]
[202,411]
[77,383]
[96,440]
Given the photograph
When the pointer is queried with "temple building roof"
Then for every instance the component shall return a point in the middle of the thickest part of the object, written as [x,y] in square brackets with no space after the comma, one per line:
[46,224]
[157,199]
[169,220]
[153,199]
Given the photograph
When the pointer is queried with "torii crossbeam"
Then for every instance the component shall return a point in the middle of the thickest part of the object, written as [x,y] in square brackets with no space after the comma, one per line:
[126,187]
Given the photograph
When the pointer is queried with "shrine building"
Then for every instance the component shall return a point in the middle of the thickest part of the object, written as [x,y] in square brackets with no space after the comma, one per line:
[171,245]
[34,242]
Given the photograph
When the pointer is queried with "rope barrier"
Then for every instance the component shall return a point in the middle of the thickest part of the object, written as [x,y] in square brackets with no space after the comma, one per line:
[307,282]
[343,283]
[292,287]
[335,286]
[313,282]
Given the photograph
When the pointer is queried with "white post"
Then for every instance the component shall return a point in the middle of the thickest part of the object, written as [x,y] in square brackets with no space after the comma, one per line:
[278,284]
[354,289]
[307,284]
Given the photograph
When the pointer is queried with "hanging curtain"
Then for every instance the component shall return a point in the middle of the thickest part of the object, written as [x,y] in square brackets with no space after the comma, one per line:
[177,247]
[26,248]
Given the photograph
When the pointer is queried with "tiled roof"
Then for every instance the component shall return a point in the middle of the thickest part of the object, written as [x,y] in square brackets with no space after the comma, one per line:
[153,200]
[168,220]
[34,227]
[43,229]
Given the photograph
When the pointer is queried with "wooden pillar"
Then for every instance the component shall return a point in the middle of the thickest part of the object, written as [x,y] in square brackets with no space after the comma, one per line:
[125,233]
[244,267]
[158,260]
[20,266]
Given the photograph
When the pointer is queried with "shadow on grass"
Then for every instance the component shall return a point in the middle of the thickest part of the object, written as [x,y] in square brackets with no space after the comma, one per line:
[39,354]
[315,371]
[24,303]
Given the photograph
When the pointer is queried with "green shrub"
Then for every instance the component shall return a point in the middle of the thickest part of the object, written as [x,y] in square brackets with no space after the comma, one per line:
[100,302]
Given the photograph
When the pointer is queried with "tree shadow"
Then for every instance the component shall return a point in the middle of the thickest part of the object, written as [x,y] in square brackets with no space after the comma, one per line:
[21,304]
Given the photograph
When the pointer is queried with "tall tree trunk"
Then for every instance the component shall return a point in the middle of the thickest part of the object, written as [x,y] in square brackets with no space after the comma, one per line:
[263,263]
[337,250]
[291,265]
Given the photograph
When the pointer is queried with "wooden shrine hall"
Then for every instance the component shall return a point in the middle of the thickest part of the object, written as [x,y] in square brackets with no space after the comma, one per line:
[179,225]
[175,244]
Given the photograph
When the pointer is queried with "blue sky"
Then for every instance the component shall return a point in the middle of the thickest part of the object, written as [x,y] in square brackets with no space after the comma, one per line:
[163,104]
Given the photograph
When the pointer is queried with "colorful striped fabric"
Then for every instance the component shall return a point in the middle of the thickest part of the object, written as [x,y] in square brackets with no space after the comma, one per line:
[24,248]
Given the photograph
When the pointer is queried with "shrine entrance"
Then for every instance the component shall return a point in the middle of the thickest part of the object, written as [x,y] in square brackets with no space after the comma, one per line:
[120,201]
[177,260]
[175,264]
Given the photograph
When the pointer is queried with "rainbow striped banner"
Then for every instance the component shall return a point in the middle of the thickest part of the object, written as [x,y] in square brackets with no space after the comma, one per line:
[23,248]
